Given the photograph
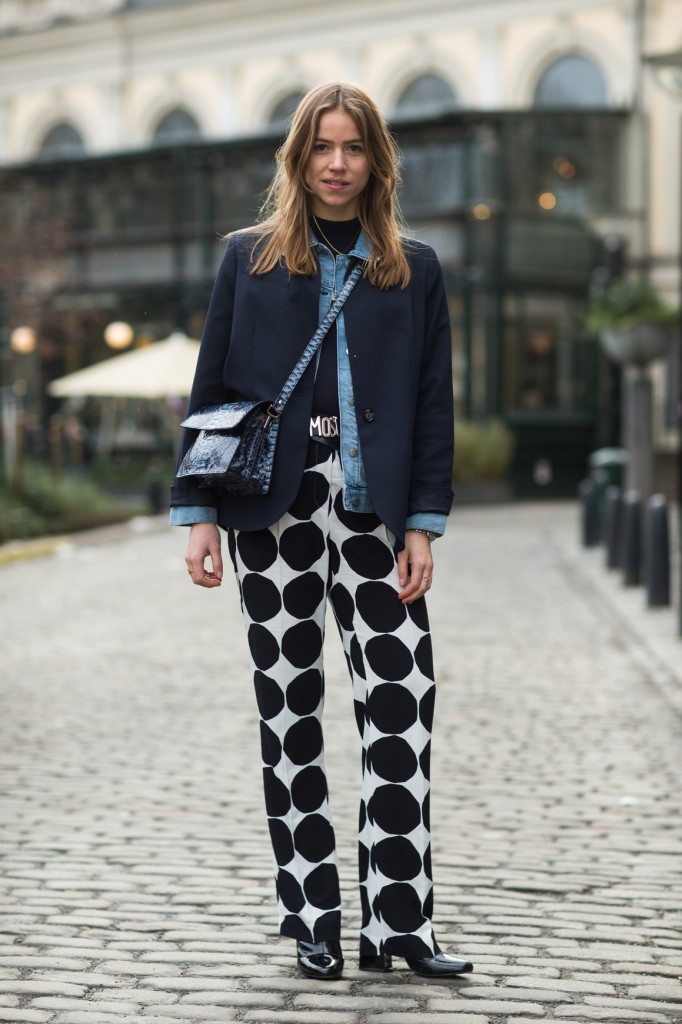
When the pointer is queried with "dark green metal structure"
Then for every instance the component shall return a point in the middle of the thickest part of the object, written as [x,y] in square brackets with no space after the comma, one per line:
[507,199]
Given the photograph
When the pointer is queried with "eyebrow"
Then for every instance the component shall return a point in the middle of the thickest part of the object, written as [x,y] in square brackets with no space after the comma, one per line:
[345,141]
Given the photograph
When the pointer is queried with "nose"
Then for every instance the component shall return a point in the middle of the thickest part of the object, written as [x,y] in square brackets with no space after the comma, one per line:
[337,157]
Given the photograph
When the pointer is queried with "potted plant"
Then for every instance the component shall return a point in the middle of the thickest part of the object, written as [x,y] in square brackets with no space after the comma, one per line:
[632,322]
[483,454]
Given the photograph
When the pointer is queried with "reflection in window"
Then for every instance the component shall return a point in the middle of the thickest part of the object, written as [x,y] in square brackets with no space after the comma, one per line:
[546,353]
[565,162]
[284,110]
[571,81]
[177,125]
[432,175]
[62,140]
[426,95]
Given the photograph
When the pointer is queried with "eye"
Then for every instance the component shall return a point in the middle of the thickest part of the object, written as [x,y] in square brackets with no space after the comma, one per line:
[355,148]
[319,147]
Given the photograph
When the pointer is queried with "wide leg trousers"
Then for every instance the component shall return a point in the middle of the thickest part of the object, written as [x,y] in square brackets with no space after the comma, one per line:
[318,550]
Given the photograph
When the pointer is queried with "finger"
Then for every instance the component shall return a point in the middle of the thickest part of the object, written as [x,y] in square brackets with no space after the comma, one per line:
[208,580]
[216,563]
[419,582]
[412,589]
[403,566]
[199,576]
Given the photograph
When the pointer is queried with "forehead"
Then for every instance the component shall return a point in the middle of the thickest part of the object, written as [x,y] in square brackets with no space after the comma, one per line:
[337,125]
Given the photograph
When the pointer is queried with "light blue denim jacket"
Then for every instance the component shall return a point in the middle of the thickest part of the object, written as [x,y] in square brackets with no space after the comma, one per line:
[333,272]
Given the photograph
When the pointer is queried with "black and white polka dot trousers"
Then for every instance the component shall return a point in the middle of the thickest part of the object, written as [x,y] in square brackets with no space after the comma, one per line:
[286,572]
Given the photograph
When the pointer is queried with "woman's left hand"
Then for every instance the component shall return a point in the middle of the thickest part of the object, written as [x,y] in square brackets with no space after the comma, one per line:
[415,567]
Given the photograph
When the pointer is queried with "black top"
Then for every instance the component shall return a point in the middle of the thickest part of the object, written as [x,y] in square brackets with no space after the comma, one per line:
[339,235]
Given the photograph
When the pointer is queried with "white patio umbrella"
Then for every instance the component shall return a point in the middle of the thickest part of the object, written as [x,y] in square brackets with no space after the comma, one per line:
[162,370]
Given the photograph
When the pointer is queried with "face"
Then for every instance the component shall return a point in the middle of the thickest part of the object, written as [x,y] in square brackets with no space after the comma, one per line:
[338,170]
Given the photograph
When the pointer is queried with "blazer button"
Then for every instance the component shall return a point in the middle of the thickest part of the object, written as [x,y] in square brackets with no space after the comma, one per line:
[368,415]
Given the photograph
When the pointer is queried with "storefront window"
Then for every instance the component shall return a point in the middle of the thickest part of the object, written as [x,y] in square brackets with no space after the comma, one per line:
[433,175]
[566,164]
[546,354]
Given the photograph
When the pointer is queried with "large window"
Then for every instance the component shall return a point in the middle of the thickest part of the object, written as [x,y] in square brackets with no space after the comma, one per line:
[571,81]
[62,141]
[177,125]
[427,95]
[283,111]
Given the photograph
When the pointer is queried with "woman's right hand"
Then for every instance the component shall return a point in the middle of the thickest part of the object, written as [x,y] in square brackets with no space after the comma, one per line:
[204,541]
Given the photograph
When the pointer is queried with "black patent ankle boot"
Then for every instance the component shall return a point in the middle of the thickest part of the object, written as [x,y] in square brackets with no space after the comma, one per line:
[322,960]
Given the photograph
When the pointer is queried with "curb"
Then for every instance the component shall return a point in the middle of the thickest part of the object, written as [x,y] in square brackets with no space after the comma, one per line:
[16,551]
[46,547]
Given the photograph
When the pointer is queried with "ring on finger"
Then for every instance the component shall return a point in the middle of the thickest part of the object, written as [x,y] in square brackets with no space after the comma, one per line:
[426,579]
[190,571]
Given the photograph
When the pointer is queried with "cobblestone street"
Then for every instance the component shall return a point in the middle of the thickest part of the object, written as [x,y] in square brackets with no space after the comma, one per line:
[136,867]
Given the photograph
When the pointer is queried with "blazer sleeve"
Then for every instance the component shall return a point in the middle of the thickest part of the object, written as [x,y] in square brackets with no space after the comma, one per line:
[208,387]
[433,445]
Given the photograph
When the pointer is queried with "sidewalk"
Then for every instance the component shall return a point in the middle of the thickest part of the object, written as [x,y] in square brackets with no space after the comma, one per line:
[137,883]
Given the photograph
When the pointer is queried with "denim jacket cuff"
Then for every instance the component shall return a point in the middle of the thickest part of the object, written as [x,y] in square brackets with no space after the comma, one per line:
[432,521]
[187,515]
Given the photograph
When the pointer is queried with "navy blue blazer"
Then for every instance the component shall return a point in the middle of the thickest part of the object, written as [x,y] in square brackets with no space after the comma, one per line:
[399,345]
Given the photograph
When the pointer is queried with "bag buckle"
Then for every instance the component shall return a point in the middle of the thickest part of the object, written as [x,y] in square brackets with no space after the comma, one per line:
[272,413]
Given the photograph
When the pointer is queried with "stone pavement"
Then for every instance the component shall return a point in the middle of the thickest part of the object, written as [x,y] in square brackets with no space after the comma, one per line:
[136,875]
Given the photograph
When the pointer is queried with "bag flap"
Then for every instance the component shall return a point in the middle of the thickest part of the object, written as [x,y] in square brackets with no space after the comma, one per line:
[221,417]
[210,453]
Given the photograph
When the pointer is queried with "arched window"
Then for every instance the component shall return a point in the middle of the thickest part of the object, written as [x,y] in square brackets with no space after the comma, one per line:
[427,94]
[571,81]
[62,140]
[176,126]
[284,109]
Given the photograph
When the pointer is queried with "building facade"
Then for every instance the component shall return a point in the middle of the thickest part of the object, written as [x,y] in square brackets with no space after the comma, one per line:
[133,134]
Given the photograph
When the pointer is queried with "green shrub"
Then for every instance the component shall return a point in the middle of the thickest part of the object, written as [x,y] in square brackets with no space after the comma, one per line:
[129,471]
[626,304]
[483,451]
[49,506]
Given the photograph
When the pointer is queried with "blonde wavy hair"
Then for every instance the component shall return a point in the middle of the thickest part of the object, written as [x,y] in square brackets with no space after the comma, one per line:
[283,225]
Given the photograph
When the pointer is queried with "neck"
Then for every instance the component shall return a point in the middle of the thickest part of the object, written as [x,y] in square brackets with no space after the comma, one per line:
[335,220]
[339,235]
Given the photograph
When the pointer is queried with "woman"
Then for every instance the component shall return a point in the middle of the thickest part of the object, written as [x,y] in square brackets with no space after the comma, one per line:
[361,486]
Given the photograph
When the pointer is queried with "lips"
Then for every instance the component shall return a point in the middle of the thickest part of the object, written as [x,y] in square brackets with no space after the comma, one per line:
[333,183]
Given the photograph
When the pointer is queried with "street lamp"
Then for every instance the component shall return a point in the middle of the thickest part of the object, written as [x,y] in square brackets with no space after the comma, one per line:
[23,340]
[118,334]
[667,73]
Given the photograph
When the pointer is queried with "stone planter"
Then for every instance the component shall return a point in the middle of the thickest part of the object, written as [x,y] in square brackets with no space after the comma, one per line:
[636,345]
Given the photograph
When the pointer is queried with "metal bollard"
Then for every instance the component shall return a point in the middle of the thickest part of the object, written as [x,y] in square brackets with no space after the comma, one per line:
[631,539]
[589,513]
[657,572]
[613,520]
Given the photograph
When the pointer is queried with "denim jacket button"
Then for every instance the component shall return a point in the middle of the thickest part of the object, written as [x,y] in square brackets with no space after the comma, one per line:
[368,415]
[355,501]
[353,452]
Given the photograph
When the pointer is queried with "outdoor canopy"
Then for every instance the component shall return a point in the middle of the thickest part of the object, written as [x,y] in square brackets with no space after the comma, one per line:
[162,370]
